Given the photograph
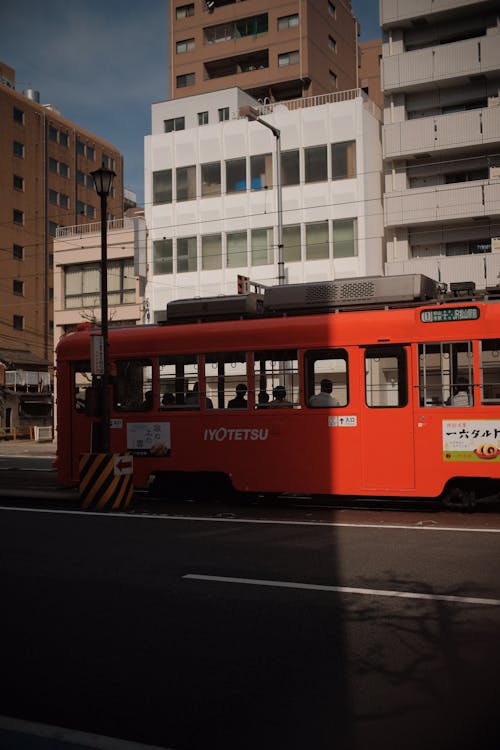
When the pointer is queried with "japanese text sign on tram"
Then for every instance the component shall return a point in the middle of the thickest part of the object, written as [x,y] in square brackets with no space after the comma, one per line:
[97,354]
[449,314]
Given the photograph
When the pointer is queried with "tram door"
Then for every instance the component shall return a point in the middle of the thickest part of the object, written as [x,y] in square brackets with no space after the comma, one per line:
[386,420]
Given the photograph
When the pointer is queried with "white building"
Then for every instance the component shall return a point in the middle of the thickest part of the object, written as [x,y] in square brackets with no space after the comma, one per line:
[211,195]
[441,138]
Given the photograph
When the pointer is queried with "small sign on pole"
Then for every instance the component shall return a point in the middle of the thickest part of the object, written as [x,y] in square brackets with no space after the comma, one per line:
[97,354]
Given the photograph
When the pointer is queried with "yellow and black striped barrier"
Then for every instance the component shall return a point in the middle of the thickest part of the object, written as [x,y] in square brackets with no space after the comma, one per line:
[106,480]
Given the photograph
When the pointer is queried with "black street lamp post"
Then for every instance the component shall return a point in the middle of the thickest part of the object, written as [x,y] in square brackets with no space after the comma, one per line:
[103,181]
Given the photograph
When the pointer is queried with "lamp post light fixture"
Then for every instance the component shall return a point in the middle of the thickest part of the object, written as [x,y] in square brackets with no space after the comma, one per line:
[103,182]
[253,115]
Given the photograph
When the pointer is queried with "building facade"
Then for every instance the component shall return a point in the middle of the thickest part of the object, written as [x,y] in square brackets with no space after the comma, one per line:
[272,51]
[77,273]
[45,183]
[212,195]
[441,138]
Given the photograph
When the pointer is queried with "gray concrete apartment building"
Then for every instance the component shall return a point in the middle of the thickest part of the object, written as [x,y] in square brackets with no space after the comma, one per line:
[441,138]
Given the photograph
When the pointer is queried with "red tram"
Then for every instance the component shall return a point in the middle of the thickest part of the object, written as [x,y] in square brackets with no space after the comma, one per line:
[374,387]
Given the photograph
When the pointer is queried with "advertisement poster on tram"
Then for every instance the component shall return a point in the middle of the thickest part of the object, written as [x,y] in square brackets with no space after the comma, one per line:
[471,440]
[148,438]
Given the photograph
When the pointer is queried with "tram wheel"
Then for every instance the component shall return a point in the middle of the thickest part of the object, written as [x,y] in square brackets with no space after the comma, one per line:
[460,498]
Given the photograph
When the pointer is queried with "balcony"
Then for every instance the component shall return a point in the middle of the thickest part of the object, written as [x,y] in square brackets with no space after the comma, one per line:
[422,68]
[443,203]
[394,12]
[442,132]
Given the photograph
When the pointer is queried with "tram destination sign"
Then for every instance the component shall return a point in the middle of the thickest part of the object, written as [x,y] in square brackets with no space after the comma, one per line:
[449,314]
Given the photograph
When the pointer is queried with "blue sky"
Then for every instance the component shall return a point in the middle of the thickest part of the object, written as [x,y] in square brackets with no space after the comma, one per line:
[102,63]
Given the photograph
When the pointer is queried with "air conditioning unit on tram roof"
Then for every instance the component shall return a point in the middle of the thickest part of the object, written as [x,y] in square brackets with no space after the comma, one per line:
[340,293]
[228,307]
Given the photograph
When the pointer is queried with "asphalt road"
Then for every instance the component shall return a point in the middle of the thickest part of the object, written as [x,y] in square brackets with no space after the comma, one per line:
[284,630]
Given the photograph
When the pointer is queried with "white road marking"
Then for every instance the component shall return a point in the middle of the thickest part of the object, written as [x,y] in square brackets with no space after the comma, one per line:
[71,736]
[265,521]
[344,589]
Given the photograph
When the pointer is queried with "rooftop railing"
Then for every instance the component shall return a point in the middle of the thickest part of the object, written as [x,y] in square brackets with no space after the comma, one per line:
[316,101]
[94,227]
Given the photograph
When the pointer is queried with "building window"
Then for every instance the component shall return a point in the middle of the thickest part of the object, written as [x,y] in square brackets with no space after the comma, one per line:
[83,284]
[63,139]
[290,167]
[18,216]
[345,238]
[18,149]
[202,118]
[80,208]
[331,9]
[315,164]
[236,247]
[317,245]
[343,160]
[261,171]
[90,210]
[18,115]
[64,201]
[223,114]
[162,187]
[288,22]
[175,123]
[186,183]
[17,252]
[288,58]
[18,287]
[187,254]
[53,197]
[53,228]
[185,80]
[332,44]
[468,247]
[184,11]
[80,148]
[91,153]
[236,175]
[261,241]
[52,133]
[333,79]
[292,251]
[80,178]
[53,165]
[63,169]
[162,257]
[90,182]
[210,178]
[18,182]
[186,45]
[211,252]
[18,322]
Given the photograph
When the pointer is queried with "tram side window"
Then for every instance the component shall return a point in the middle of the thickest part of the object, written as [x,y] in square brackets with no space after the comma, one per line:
[179,381]
[445,374]
[82,381]
[490,371]
[276,378]
[386,377]
[226,380]
[326,380]
[133,385]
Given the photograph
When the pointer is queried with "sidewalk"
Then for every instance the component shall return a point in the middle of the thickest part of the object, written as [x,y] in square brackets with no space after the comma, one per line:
[27,448]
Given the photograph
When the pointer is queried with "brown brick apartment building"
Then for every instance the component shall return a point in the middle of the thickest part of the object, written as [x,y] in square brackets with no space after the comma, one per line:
[278,51]
[45,183]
